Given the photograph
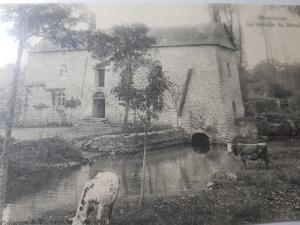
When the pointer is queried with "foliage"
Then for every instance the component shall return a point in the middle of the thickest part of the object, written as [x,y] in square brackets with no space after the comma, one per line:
[266,78]
[279,92]
[150,100]
[122,43]
[295,9]
[57,23]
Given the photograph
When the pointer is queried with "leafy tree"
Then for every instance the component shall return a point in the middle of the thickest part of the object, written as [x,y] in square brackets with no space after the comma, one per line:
[127,47]
[263,74]
[148,102]
[270,78]
[57,23]
[278,91]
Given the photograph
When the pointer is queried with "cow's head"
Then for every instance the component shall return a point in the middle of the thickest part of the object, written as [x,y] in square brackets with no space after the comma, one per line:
[229,147]
[77,220]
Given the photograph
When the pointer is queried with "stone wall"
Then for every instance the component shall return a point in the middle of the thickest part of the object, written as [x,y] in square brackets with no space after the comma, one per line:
[208,103]
[130,143]
[50,72]
[230,89]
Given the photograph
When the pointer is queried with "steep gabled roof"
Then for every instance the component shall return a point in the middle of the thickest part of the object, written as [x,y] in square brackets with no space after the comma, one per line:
[207,34]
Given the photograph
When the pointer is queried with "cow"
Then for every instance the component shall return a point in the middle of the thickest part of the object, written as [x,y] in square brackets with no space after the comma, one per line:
[6,215]
[97,193]
[250,151]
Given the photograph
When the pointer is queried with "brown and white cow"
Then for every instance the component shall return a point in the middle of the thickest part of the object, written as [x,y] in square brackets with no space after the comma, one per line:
[250,151]
[98,192]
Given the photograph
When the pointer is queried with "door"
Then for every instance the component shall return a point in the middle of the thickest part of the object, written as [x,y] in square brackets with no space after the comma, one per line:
[99,108]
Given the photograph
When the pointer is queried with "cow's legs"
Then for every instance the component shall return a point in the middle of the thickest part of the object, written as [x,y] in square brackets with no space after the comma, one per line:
[267,160]
[244,161]
[110,210]
[99,213]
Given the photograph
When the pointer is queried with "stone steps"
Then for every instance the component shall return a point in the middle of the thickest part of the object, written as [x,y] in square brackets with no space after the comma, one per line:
[96,123]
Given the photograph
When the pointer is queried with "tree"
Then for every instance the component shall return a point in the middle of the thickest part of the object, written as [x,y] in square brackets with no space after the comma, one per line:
[294,9]
[278,91]
[127,47]
[57,23]
[214,11]
[148,102]
[228,14]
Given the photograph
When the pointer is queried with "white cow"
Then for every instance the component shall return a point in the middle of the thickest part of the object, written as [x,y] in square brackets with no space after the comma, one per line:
[5,215]
[98,192]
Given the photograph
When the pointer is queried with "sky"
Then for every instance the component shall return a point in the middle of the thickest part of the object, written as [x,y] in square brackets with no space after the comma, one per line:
[282,40]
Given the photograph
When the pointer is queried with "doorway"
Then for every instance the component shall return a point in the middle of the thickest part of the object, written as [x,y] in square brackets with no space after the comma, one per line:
[99,105]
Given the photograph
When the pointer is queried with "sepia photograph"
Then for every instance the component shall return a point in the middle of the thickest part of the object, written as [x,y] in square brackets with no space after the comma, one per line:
[149,113]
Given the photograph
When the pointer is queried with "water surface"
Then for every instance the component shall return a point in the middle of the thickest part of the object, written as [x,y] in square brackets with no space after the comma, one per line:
[174,169]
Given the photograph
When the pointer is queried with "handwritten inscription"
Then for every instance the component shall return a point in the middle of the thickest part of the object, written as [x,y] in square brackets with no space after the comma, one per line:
[273,21]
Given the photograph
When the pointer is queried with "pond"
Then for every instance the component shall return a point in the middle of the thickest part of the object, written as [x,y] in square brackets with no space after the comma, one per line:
[169,170]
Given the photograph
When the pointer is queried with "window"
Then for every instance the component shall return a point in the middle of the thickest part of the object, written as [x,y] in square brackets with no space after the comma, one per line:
[100,75]
[228,70]
[63,70]
[61,98]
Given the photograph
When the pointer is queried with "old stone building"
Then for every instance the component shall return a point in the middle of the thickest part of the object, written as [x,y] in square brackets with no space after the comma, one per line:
[65,86]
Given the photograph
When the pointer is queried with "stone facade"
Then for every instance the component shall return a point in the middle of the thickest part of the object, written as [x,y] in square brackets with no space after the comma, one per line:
[53,79]
[211,104]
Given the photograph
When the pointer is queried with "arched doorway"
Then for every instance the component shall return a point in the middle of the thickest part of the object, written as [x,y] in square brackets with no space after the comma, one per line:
[99,105]
[200,142]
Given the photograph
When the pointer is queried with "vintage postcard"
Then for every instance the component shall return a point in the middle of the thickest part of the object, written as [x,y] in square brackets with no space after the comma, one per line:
[149,114]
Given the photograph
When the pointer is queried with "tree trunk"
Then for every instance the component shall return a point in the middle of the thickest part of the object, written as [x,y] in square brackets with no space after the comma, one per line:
[4,162]
[144,167]
[126,112]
